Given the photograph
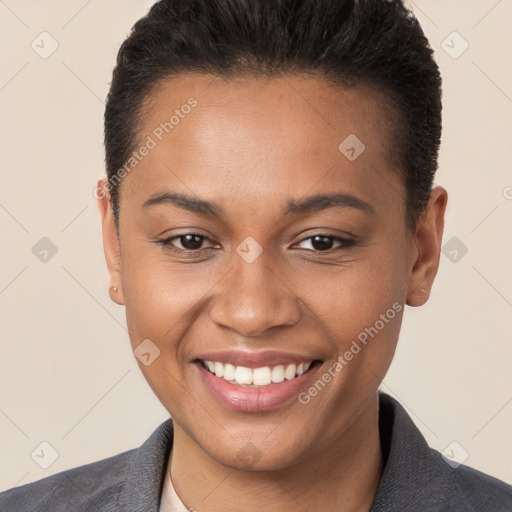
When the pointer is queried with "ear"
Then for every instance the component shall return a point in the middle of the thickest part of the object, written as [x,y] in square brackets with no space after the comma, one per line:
[428,240]
[111,245]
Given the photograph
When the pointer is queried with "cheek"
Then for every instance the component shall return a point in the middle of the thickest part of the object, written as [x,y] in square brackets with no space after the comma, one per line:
[160,300]
[361,306]
[161,305]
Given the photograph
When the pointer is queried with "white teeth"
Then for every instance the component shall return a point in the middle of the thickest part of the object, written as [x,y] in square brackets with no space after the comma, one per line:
[219,370]
[290,371]
[229,372]
[278,374]
[243,375]
[263,376]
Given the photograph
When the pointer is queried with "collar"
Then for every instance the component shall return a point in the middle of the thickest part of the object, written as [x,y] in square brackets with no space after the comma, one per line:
[414,475]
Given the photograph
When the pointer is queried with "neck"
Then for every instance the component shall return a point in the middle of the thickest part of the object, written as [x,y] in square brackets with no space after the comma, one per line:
[343,476]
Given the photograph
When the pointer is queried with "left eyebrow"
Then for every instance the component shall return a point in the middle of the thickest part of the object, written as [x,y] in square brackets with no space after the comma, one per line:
[324,201]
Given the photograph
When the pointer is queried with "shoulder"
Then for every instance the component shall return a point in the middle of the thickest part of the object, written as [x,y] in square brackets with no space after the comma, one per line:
[74,489]
[477,491]
[131,481]
[416,473]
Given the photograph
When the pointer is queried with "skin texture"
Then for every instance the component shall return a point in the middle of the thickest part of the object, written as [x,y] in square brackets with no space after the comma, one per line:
[250,146]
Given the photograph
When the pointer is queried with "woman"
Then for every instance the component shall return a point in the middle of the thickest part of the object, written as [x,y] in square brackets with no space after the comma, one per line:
[268,212]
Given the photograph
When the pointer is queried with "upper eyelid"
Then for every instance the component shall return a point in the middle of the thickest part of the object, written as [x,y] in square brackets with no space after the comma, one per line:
[340,239]
[336,238]
[326,235]
[168,243]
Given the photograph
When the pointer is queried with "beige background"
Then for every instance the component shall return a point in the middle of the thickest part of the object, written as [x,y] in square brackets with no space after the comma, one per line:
[67,374]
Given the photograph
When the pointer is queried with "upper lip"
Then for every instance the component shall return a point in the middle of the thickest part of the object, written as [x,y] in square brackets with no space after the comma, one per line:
[255,359]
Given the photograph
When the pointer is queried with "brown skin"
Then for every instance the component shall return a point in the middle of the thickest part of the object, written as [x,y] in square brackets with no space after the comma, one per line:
[250,146]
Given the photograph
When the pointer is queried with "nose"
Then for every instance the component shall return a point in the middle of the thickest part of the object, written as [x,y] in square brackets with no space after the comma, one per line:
[253,298]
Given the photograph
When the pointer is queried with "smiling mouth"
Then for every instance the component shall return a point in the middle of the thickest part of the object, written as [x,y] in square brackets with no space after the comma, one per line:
[257,377]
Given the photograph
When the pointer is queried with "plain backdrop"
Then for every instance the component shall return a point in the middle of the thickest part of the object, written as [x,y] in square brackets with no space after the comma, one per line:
[68,378]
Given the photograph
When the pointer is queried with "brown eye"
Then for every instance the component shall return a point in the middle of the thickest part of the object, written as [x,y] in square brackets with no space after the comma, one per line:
[323,243]
[191,242]
[186,242]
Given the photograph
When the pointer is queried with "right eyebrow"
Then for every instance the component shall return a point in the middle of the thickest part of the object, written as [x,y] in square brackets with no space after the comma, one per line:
[183,201]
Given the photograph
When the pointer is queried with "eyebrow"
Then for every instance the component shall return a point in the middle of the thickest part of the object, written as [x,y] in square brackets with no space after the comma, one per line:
[324,201]
[307,205]
[186,202]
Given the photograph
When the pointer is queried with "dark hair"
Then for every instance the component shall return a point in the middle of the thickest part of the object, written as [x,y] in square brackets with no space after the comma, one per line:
[376,43]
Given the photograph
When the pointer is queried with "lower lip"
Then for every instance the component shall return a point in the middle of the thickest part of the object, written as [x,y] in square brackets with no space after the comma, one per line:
[254,399]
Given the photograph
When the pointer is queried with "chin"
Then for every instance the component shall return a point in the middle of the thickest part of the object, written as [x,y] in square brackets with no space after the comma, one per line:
[257,453]
[250,458]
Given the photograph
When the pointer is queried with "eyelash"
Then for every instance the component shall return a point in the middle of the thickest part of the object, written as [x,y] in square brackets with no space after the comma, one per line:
[345,243]
[166,242]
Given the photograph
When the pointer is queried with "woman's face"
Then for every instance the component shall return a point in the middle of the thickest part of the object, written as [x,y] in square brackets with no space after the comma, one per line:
[264,227]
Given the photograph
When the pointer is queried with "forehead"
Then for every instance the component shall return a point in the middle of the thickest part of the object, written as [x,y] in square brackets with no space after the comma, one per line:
[276,103]
[283,133]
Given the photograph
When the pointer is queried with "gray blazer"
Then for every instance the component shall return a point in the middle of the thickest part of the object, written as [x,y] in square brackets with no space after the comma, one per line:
[416,478]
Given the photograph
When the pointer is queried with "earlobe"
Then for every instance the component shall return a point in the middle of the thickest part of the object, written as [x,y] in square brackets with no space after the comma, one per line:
[417,297]
[111,246]
[428,241]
